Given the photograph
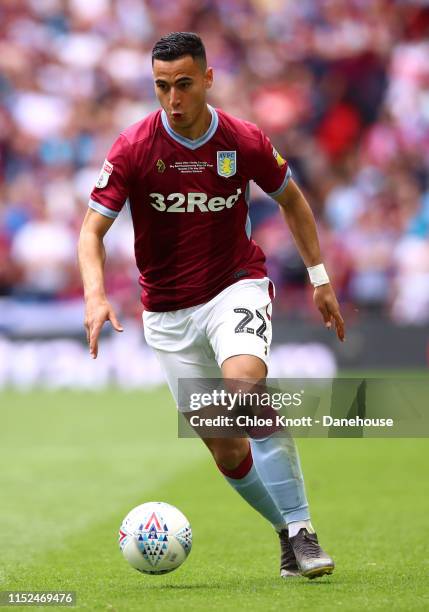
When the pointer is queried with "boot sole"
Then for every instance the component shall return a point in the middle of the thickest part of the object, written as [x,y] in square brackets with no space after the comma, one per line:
[318,571]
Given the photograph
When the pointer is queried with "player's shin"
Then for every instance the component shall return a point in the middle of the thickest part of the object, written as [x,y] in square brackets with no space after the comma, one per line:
[246,481]
[277,462]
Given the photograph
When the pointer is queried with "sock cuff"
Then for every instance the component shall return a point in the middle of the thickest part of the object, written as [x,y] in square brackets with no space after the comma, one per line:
[241,470]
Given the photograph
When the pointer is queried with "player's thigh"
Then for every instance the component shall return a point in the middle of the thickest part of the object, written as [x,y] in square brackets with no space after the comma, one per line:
[188,371]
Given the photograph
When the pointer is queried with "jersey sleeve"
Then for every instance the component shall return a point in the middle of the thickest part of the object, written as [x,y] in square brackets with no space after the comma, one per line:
[111,189]
[267,167]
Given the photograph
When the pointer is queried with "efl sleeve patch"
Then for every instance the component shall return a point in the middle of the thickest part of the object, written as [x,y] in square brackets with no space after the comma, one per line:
[104,176]
[279,159]
[112,187]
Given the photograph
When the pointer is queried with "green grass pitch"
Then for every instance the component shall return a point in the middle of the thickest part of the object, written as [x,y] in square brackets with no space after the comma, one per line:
[73,464]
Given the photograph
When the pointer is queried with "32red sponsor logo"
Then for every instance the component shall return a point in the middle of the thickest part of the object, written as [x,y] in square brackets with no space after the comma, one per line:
[192,201]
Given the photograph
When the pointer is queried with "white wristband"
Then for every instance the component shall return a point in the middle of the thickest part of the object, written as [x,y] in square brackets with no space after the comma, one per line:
[318,275]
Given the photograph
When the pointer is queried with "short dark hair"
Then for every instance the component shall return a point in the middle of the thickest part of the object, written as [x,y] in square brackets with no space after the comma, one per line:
[177,44]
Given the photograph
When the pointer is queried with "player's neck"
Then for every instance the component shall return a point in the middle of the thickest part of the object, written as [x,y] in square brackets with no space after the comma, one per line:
[198,128]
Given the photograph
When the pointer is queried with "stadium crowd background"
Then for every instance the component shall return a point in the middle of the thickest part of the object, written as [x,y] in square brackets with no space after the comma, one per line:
[340,86]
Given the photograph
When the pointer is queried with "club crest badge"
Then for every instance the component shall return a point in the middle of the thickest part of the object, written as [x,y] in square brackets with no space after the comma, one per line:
[226,163]
[105,173]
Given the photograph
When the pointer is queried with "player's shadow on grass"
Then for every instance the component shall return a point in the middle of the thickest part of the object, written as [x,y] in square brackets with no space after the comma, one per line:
[281,583]
[316,581]
[183,587]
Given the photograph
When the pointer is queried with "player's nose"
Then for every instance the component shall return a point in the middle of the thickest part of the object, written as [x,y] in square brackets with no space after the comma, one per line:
[174,98]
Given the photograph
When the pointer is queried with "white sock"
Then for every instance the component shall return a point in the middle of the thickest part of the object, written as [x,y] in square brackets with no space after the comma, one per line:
[295,526]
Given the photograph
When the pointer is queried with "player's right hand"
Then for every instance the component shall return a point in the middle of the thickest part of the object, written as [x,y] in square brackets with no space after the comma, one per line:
[97,312]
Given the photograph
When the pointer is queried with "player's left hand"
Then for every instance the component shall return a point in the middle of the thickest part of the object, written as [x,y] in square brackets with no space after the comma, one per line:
[325,299]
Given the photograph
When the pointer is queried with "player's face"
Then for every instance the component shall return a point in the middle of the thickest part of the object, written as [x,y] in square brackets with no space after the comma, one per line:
[181,87]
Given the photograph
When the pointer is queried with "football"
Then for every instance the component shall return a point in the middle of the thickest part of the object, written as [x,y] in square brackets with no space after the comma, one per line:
[155,538]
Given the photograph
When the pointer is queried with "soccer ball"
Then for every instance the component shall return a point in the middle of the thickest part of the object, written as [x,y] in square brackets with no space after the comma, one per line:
[155,538]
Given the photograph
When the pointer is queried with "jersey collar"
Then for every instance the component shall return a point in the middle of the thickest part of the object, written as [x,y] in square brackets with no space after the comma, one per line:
[187,142]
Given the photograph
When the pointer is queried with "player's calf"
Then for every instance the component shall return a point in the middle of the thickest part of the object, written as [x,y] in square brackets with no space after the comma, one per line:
[228,453]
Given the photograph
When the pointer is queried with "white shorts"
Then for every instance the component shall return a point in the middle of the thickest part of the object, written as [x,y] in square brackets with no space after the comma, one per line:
[194,342]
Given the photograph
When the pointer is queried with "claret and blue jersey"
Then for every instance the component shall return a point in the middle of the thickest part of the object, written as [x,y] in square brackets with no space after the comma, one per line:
[189,204]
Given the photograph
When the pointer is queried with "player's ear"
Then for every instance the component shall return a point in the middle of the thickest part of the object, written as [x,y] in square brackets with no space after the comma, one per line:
[208,78]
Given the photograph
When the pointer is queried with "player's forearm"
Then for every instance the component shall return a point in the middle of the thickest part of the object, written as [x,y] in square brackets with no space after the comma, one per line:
[300,219]
[92,256]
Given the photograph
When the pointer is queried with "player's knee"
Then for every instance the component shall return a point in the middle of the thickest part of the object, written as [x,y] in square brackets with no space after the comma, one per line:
[245,377]
[244,367]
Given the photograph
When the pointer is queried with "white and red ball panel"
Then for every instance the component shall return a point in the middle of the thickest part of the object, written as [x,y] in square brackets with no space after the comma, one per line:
[155,538]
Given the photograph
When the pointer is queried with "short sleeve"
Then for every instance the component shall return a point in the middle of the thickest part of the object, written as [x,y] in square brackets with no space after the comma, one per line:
[111,189]
[267,167]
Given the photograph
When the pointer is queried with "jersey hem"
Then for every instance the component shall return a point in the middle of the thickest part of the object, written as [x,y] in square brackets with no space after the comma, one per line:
[166,307]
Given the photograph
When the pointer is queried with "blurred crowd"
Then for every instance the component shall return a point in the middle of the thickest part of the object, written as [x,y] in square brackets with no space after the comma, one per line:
[340,86]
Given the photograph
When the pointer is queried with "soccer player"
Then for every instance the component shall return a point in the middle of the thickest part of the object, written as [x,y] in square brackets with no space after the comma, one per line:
[185,170]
